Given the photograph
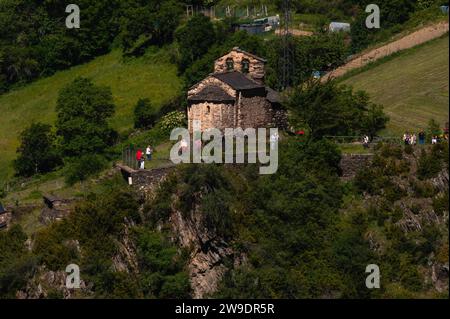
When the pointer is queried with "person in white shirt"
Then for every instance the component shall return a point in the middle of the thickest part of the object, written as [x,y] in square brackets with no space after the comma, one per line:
[273,140]
[149,152]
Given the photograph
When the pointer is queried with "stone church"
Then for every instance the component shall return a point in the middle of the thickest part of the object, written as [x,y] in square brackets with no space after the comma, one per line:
[235,96]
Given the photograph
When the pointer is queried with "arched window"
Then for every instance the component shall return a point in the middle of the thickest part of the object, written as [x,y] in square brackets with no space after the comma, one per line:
[230,64]
[245,66]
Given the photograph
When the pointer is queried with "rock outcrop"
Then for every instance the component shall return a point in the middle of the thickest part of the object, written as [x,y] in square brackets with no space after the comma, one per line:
[208,251]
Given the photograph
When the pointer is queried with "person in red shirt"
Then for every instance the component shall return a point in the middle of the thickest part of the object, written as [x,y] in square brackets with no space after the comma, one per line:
[139,157]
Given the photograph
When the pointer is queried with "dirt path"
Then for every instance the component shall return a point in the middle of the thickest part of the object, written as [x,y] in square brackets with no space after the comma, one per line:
[409,41]
[296,32]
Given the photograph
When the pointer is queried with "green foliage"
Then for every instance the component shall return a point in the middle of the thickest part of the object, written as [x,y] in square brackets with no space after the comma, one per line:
[16,264]
[204,65]
[161,266]
[198,30]
[144,115]
[322,52]
[109,215]
[200,188]
[434,129]
[35,41]
[274,227]
[440,204]
[423,189]
[79,169]
[38,151]
[395,15]
[143,23]
[432,162]
[329,109]
[172,120]
[83,112]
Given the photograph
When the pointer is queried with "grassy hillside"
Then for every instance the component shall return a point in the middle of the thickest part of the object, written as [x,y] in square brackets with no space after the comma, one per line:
[150,76]
[413,86]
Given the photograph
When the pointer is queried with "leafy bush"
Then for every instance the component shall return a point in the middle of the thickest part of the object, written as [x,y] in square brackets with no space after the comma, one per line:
[80,169]
[440,204]
[199,30]
[83,113]
[144,115]
[423,189]
[171,121]
[429,165]
[37,151]
[329,109]
[16,264]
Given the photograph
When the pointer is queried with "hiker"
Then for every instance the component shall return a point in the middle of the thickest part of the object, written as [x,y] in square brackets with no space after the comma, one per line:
[273,140]
[140,159]
[406,138]
[183,145]
[366,141]
[413,139]
[434,140]
[198,145]
[149,152]
[421,138]
[142,162]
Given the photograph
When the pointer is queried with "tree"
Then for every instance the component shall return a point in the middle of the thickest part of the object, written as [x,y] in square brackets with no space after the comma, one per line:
[194,39]
[148,22]
[329,109]
[144,115]
[37,151]
[83,112]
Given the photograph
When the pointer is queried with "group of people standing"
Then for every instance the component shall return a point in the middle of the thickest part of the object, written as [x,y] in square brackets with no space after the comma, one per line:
[413,139]
[141,157]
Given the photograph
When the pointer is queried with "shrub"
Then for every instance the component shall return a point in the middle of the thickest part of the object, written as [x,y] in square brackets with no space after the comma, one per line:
[409,149]
[144,115]
[429,165]
[80,169]
[440,204]
[171,121]
[83,113]
[37,151]
[423,189]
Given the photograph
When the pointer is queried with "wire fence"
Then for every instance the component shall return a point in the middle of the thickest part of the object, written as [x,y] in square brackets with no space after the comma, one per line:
[359,139]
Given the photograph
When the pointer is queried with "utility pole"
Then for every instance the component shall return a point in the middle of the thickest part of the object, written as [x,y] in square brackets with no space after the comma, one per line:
[287,59]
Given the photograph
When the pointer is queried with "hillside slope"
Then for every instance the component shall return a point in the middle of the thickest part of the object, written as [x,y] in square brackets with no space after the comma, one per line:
[147,77]
[412,86]
[405,42]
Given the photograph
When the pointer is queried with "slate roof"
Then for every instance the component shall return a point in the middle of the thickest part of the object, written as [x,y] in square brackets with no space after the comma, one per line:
[212,94]
[237,80]
[273,96]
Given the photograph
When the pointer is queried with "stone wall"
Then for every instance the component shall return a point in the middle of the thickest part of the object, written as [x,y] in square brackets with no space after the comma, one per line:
[212,115]
[257,67]
[352,163]
[253,112]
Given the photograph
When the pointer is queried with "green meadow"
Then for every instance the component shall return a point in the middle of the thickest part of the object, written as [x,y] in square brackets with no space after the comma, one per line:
[150,76]
[412,86]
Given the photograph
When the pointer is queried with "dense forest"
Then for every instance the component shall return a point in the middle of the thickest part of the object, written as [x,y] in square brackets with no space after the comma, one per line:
[34,40]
